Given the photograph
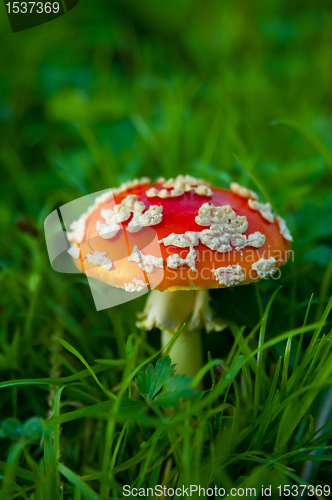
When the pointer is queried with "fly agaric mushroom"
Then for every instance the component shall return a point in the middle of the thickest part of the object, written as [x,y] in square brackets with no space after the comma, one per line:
[208,237]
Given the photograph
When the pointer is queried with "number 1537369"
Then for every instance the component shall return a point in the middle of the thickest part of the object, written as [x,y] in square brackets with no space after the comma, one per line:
[32,7]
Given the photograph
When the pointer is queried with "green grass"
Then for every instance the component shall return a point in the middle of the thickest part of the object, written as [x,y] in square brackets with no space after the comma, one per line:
[223,90]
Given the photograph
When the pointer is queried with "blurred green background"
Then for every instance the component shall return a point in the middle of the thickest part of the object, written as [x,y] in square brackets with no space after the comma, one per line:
[120,89]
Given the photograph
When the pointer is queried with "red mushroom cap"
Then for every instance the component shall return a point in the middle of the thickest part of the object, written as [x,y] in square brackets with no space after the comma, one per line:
[181,234]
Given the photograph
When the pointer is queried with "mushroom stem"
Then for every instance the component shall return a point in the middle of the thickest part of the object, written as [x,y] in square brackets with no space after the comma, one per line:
[168,311]
[186,352]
